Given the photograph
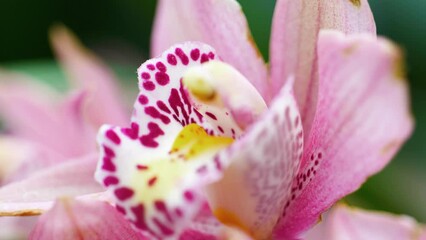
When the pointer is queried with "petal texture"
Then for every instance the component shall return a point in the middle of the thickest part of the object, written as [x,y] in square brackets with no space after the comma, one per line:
[262,165]
[345,223]
[35,193]
[73,219]
[88,73]
[16,228]
[295,29]
[219,23]
[29,112]
[361,121]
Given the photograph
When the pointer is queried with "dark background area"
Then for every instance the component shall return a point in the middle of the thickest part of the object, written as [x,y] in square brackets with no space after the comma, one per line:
[119,31]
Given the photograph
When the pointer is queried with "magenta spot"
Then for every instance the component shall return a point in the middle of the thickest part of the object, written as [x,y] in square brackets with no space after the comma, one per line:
[139,212]
[141,167]
[175,102]
[211,55]
[220,129]
[199,115]
[163,228]
[178,212]
[123,193]
[108,151]
[161,67]
[218,163]
[204,58]
[111,135]
[162,106]
[296,122]
[171,59]
[149,139]
[143,99]
[161,207]
[233,131]
[179,52]
[131,132]
[145,75]
[195,54]
[150,67]
[108,165]
[120,209]
[211,115]
[162,78]
[202,169]
[153,112]
[319,155]
[111,180]
[148,85]
[189,196]
[152,181]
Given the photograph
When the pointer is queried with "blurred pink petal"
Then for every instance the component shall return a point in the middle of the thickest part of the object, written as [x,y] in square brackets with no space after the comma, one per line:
[13,152]
[295,29]
[90,74]
[35,193]
[219,23]
[423,233]
[362,119]
[345,223]
[16,228]
[86,220]
[28,111]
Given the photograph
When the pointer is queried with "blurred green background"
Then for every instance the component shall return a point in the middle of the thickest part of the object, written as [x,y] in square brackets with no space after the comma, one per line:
[119,31]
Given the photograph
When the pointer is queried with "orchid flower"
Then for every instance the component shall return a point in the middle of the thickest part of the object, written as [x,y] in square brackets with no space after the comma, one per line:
[49,151]
[346,223]
[200,158]
[217,140]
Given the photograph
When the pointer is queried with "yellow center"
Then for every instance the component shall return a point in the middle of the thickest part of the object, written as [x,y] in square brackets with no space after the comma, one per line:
[156,180]
[196,80]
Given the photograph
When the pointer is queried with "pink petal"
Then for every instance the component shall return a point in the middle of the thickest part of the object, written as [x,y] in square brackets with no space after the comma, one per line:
[293,42]
[13,152]
[72,219]
[88,72]
[262,165]
[423,233]
[204,226]
[34,194]
[16,227]
[77,135]
[345,223]
[220,24]
[129,155]
[28,110]
[362,119]
[22,158]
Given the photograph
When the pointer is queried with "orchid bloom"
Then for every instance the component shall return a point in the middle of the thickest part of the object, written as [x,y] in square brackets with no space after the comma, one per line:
[219,146]
[49,151]
[217,140]
[346,223]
